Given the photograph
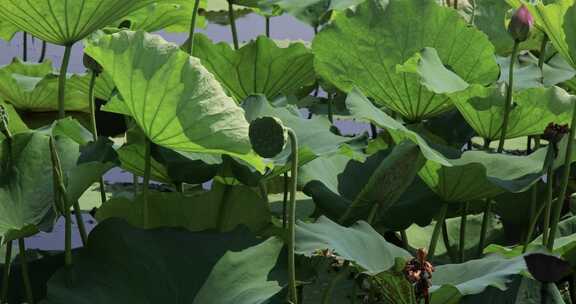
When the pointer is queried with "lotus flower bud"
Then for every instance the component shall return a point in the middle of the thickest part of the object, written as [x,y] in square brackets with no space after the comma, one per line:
[268,136]
[520,24]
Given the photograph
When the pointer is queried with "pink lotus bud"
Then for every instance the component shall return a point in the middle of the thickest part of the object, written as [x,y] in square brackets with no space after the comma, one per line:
[520,24]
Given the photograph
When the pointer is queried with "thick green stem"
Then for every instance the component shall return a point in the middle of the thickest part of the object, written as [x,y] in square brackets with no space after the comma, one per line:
[43,52]
[532,227]
[327,296]
[146,182]
[564,182]
[25,274]
[548,203]
[285,201]
[463,224]
[80,223]
[509,91]
[268,26]
[6,275]
[293,293]
[437,229]
[94,127]
[67,236]
[62,82]
[484,229]
[233,25]
[330,110]
[542,56]
[404,238]
[446,240]
[190,44]
[486,145]
[61,199]
[24,46]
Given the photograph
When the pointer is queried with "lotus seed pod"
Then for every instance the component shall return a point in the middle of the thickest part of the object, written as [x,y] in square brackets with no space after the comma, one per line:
[520,24]
[92,64]
[268,136]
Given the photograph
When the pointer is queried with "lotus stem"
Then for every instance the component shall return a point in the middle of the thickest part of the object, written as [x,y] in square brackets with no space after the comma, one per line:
[404,238]
[327,296]
[509,90]
[6,275]
[43,52]
[233,24]
[437,229]
[564,182]
[548,203]
[285,201]
[62,82]
[532,227]
[24,46]
[91,87]
[146,182]
[484,228]
[268,26]
[190,44]
[330,110]
[25,274]
[463,224]
[542,56]
[80,223]
[446,240]
[293,292]
[61,197]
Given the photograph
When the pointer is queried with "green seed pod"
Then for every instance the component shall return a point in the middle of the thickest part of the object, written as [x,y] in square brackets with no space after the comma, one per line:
[92,64]
[268,136]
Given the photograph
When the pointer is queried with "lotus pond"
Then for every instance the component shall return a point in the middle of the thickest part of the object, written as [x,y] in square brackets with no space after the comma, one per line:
[246,184]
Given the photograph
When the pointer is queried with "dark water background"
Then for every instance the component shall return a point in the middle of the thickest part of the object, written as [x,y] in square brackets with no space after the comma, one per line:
[249,27]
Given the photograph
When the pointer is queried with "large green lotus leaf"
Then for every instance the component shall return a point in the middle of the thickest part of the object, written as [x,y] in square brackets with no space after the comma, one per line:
[527,74]
[564,245]
[26,187]
[483,108]
[123,264]
[419,237]
[259,67]
[167,15]
[335,181]
[314,136]
[451,282]
[7,30]
[363,48]
[175,101]
[224,208]
[381,180]
[521,290]
[377,255]
[34,87]
[66,22]
[457,176]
